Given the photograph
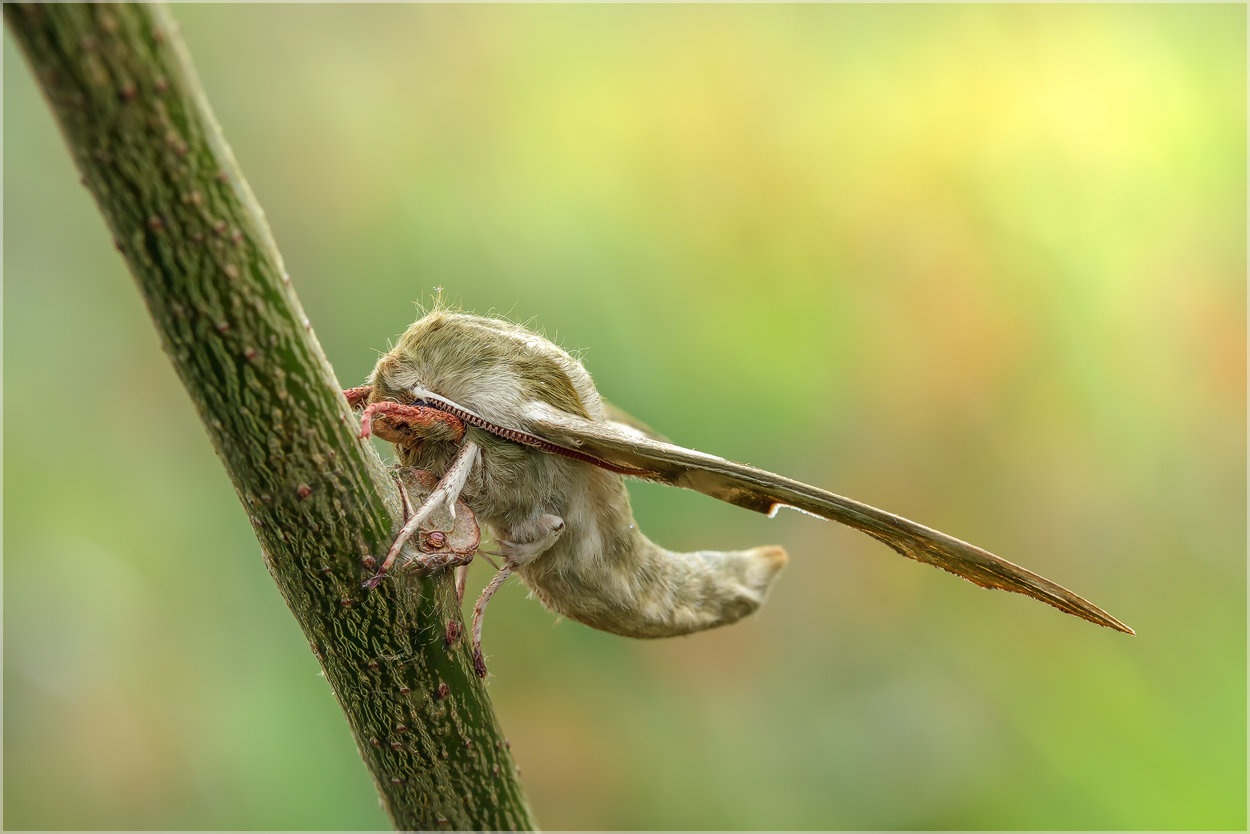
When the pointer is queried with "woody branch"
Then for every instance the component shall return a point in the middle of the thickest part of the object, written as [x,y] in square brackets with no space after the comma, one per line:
[120,83]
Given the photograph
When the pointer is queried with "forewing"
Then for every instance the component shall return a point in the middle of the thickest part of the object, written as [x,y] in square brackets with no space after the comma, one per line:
[755,489]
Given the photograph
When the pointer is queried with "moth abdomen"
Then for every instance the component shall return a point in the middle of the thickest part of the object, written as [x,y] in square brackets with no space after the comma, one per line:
[661,593]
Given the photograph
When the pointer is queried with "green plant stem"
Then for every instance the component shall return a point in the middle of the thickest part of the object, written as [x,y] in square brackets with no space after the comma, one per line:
[136,121]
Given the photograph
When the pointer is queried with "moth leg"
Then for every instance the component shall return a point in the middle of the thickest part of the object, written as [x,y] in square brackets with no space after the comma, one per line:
[546,530]
[404,424]
[462,579]
[407,509]
[536,538]
[452,484]
[479,662]
[444,496]
[403,497]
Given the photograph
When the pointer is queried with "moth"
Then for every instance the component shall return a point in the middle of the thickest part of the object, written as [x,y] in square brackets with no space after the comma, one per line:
[511,429]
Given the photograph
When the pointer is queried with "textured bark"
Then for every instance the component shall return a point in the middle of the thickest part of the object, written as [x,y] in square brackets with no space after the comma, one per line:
[121,85]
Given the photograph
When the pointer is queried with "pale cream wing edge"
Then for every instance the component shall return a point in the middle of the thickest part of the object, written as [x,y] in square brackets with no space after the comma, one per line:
[616,414]
[756,489]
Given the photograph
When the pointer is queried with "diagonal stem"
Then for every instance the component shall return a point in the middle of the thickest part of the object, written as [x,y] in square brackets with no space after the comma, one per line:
[120,83]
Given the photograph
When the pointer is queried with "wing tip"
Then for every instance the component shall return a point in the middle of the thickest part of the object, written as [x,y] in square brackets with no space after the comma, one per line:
[1007,576]
[1074,604]
[1069,603]
[1111,622]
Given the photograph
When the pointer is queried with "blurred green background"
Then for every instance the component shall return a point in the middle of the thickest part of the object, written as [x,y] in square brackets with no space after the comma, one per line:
[981,266]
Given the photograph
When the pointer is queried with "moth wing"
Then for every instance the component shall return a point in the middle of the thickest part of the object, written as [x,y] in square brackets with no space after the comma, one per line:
[616,414]
[764,492]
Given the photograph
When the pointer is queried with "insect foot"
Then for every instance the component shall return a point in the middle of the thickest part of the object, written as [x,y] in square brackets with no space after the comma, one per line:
[446,530]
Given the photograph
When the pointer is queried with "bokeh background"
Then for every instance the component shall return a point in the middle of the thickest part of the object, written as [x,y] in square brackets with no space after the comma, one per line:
[981,266]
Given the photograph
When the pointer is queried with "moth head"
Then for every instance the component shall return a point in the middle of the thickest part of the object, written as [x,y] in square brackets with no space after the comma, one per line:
[491,367]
